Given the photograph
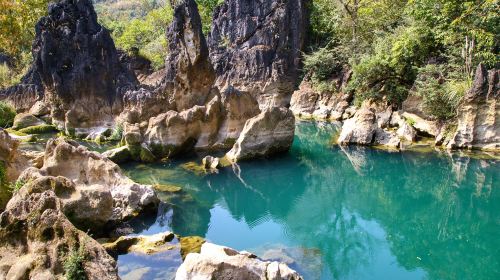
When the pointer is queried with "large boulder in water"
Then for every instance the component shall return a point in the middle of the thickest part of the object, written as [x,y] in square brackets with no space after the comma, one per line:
[479,113]
[223,263]
[255,46]
[36,240]
[268,133]
[189,73]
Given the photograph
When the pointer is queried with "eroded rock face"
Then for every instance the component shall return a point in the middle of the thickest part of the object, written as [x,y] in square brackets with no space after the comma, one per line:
[307,102]
[36,239]
[25,94]
[13,161]
[189,73]
[270,132]
[77,65]
[479,114]
[223,263]
[247,53]
[93,190]
[174,132]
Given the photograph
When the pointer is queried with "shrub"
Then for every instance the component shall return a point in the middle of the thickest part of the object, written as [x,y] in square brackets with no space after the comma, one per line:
[16,186]
[440,90]
[323,63]
[392,69]
[73,265]
[7,114]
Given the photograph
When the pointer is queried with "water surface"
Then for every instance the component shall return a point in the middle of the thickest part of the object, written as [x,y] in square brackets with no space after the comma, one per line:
[338,213]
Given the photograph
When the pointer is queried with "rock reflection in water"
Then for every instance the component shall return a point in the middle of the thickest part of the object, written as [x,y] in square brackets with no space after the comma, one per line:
[365,213]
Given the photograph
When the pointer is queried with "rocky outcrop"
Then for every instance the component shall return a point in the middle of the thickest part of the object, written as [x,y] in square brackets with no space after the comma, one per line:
[76,65]
[479,114]
[223,263]
[93,191]
[248,55]
[270,132]
[37,240]
[136,64]
[307,102]
[13,161]
[25,94]
[371,125]
[171,133]
[189,74]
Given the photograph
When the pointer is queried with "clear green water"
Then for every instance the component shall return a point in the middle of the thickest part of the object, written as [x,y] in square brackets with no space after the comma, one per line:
[333,213]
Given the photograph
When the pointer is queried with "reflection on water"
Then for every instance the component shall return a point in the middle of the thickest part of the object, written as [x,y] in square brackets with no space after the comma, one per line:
[342,213]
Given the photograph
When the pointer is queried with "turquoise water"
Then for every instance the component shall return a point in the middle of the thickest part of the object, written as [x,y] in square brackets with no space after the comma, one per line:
[332,213]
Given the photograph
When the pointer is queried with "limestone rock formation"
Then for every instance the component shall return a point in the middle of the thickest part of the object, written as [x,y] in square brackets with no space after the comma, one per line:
[189,73]
[223,263]
[370,126]
[76,63]
[307,102]
[25,94]
[479,114]
[36,239]
[13,161]
[270,132]
[360,129]
[174,132]
[247,52]
[93,190]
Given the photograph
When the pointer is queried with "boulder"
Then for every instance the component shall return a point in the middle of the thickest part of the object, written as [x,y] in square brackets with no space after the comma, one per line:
[407,132]
[37,241]
[210,162]
[95,191]
[25,120]
[189,74]
[423,126]
[270,132]
[118,155]
[360,129]
[248,55]
[303,102]
[223,263]
[479,114]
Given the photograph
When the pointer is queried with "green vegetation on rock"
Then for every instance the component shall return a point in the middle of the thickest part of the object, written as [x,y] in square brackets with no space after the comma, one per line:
[7,114]
[74,264]
[38,129]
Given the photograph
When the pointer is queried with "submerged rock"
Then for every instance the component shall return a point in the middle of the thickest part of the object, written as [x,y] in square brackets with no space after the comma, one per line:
[93,190]
[270,132]
[142,244]
[223,263]
[479,114]
[37,240]
[247,54]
